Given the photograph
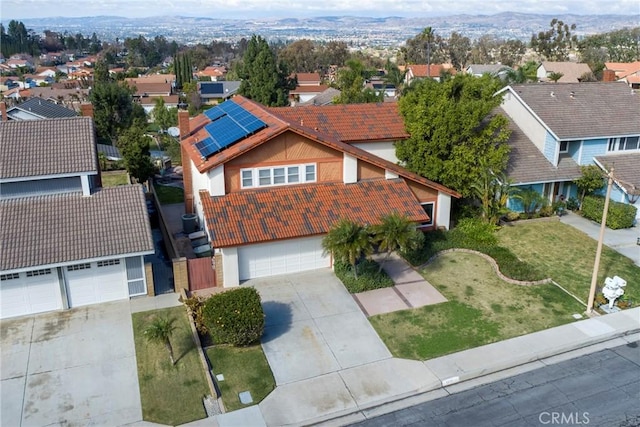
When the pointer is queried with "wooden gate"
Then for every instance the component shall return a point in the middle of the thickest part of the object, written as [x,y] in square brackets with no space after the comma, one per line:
[201,273]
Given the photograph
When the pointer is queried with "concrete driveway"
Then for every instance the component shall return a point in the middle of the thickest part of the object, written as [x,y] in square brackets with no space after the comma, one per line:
[314,327]
[75,367]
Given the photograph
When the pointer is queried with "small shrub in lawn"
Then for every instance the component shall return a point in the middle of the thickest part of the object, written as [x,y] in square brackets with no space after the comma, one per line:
[620,215]
[234,317]
[477,231]
[369,276]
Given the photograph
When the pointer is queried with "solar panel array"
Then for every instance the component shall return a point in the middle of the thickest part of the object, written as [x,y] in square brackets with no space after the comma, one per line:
[229,123]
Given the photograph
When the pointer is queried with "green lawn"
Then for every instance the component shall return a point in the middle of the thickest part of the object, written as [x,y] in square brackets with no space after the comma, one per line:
[168,195]
[113,179]
[170,395]
[567,256]
[244,369]
[482,309]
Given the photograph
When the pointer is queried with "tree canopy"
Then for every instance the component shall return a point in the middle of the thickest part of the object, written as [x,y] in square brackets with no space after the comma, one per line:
[555,43]
[263,80]
[112,109]
[351,81]
[452,127]
[134,146]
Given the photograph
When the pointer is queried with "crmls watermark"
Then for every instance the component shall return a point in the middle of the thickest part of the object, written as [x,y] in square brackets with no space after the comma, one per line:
[566,418]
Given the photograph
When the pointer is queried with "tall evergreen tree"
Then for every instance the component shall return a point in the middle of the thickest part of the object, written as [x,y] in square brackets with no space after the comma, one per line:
[263,79]
[453,132]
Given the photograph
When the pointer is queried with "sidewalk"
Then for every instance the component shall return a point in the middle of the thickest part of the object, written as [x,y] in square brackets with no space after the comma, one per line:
[624,241]
[365,391]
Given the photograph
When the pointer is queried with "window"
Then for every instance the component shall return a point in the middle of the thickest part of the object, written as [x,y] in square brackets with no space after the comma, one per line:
[428,208]
[280,175]
[623,144]
[79,267]
[38,272]
[108,263]
[10,276]
[564,146]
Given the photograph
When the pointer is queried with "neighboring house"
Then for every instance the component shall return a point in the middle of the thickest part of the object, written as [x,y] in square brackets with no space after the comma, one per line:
[66,242]
[422,71]
[57,93]
[628,72]
[309,86]
[572,72]
[213,73]
[496,70]
[150,88]
[266,188]
[38,109]
[149,102]
[558,128]
[110,152]
[379,86]
[215,92]
[326,97]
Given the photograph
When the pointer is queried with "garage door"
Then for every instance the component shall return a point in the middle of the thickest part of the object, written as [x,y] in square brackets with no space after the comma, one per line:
[288,256]
[93,283]
[27,293]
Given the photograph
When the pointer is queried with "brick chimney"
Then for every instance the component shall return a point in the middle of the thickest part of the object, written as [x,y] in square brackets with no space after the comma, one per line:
[608,76]
[3,111]
[86,110]
[183,125]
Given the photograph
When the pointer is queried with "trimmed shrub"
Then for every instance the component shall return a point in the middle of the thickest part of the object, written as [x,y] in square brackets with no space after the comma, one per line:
[235,317]
[196,305]
[478,231]
[369,276]
[620,215]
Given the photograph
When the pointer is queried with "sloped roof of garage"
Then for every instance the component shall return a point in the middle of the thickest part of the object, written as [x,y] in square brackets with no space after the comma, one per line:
[54,229]
[253,216]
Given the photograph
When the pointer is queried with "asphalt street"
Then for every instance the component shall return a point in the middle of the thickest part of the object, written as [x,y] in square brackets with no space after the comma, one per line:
[598,389]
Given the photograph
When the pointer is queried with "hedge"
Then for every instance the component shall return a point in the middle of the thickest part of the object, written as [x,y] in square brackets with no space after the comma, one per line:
[369,276]
[620,215]
[235,317]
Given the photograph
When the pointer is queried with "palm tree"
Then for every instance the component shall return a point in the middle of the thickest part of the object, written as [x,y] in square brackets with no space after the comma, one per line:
[396,232]
[348,241]
[554,77]
[160,330]
[493,191]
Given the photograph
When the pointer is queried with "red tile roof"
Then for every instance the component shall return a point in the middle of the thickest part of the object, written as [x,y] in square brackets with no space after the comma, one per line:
[307,78]
[276,126]
[420,70]
[308,89]
[275,213]
[349,122]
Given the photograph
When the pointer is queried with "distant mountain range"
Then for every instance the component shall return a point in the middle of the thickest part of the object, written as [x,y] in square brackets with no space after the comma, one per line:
[388,31]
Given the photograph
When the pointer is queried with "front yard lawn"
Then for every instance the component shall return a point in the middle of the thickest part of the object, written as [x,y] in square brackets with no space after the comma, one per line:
[168,194]
[115,178]
[567,256]
[482,309]
[170,395]
[244,369]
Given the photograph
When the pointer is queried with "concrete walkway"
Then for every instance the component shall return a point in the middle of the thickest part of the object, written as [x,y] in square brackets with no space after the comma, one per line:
[624,241]
[411,290]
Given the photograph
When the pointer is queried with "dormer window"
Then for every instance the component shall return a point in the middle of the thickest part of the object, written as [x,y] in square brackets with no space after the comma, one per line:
[278,175]
[564,147]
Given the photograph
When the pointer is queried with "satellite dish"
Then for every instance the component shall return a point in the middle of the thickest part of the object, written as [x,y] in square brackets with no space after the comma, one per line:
[174,132]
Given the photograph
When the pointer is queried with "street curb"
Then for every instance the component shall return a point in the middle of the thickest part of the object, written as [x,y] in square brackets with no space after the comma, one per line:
[360,414]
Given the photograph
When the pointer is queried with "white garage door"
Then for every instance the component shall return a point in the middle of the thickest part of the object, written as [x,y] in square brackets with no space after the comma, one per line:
[93,283]
[31,292]
[288,256]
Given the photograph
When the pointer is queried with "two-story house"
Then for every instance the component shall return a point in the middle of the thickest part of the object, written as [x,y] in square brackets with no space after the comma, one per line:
[558,128]
[66,242]
[267,184]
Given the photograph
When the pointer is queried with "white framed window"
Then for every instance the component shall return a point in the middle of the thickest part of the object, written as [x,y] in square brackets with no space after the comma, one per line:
[11,276]
[428,208]
[564,146]
[39,272]
[277,175]
[624,144]
[77,267]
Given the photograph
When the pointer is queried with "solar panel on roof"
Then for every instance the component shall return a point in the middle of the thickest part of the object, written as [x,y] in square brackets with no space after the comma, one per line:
[211,88]
[229,123]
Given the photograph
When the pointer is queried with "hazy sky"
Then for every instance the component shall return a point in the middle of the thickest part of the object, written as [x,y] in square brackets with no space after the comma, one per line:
[11,9]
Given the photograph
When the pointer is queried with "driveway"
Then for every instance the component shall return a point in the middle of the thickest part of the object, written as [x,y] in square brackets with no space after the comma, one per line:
[313,327]
[75,367]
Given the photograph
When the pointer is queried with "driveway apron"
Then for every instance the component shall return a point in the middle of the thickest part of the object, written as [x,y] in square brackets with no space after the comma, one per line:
[75,367]
[314,327]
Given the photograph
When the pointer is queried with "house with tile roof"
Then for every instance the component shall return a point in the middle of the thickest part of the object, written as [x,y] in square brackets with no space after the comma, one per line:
[628,72]
[309,86]
[497,70]
[266,184]
[65,241]
[558,128]
[424,71]
[572,72]
[215,92]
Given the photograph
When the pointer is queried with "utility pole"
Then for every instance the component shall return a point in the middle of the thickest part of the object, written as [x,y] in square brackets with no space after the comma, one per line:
[596,266]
